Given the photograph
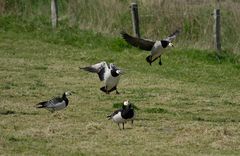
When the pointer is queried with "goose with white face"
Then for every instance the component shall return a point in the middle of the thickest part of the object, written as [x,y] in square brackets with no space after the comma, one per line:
[122,115]
[108,73]
[156,48]
[55,104]
[170,44]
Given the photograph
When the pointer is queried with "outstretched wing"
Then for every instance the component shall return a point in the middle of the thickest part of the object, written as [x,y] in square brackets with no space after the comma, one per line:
[172,36]
[114,67]
[98,68]
[144,44]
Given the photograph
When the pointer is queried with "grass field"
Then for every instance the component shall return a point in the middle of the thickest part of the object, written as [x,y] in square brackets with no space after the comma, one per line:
[187,106]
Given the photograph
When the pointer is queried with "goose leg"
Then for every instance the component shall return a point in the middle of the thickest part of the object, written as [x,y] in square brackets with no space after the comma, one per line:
[117,91]
[153,60]
[107,92]
[119,126]
[160,61]
[149,60]
[104,89]
[114,88]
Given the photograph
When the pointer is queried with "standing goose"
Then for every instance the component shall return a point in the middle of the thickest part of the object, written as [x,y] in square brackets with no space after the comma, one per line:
[123,114]
[56,103]
[130,115]
[156,47]
[109,73]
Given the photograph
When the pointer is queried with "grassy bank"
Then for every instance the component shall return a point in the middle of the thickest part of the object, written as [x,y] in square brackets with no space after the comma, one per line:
[158,18]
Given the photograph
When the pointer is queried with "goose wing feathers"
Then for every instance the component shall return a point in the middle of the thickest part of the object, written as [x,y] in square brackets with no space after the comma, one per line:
[172,36]
[56,102]
[98,68]
[114,67]
[51,103]
[144,44]
[114,113]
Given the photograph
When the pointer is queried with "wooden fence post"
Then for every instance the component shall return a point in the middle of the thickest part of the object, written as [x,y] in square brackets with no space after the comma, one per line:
[135,19]
[54,13]
[217,30]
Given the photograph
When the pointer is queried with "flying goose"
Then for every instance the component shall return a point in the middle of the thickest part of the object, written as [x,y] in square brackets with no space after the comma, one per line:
[156,47]
[123,114]
[56,103]
[109,73]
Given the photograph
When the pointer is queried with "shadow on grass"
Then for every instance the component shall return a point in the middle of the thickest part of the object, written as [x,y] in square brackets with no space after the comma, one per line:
[7,112]
[155,110]
[10,112]
[214,119]
[145,119]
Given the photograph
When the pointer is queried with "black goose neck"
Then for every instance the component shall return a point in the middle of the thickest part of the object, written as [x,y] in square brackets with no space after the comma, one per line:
[64,97]
[114,73]
[164,43]
[127,113]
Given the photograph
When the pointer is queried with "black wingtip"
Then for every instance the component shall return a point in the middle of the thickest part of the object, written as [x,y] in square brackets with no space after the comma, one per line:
[82,68]
[179,30]
[86,69]
[89,69]
[122,32]
[124,35]
[41,104]
[175,32]
[109,117]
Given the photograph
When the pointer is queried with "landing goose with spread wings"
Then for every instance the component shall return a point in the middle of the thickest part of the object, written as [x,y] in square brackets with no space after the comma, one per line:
[156,47]
[108,73]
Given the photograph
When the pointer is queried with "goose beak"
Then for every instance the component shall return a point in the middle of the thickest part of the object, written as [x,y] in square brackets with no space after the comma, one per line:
[120,72]
[68,93]
[170,45]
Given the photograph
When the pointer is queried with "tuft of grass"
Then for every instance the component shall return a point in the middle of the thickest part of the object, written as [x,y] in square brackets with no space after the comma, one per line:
[117,105]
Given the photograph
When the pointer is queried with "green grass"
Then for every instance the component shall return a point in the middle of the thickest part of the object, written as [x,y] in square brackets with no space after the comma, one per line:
[187,106]
[158,18]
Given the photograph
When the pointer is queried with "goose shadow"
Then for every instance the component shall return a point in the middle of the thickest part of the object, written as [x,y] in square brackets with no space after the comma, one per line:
[10,112]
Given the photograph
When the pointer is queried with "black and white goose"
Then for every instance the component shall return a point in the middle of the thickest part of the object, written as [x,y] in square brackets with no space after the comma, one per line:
[122,115]
[56,103]
[109,73]
[156,47]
